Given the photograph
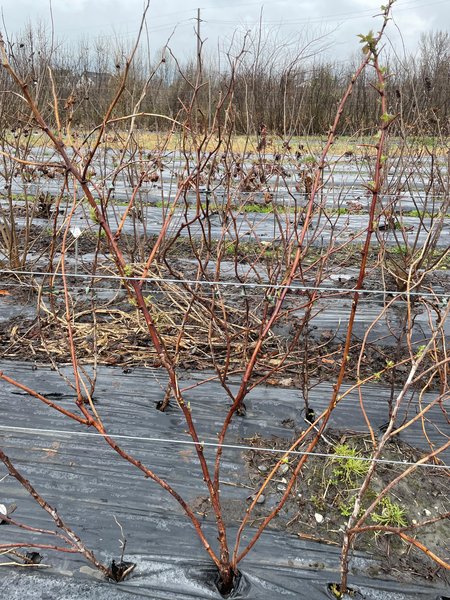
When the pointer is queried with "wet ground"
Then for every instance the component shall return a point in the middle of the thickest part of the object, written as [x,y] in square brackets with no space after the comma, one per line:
[77,472]
[89,484]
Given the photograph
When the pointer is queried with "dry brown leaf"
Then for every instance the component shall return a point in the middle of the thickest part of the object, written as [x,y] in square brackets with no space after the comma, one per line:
[328,361]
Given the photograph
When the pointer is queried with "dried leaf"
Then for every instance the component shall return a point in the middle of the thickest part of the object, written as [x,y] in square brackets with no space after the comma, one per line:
[328,361]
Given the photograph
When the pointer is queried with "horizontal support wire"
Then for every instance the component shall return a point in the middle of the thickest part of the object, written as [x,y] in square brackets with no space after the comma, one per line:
[236,284]
[287,195]
[213,444]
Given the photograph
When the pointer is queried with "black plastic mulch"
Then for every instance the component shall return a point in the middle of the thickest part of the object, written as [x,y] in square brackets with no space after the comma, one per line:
[90,485]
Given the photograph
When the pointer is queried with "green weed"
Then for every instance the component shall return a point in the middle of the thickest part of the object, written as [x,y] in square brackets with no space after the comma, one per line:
[349,468]
[391,515]
[93,215]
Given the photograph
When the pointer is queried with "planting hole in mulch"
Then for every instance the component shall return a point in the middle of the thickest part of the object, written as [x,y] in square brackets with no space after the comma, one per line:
[121,570]
[234,589]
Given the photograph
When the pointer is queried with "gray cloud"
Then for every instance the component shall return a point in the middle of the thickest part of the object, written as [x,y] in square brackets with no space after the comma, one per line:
[342,20]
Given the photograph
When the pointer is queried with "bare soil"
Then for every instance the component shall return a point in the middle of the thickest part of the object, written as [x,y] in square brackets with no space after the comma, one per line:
[323,497]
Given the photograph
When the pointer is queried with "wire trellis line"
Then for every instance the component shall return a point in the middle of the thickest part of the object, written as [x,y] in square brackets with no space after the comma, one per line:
[236,284]
[213,444]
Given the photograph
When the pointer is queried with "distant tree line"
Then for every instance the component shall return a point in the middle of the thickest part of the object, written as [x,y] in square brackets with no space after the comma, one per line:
[290,92]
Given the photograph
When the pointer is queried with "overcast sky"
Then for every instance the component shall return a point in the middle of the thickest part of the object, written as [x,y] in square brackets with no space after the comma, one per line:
[339,20]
